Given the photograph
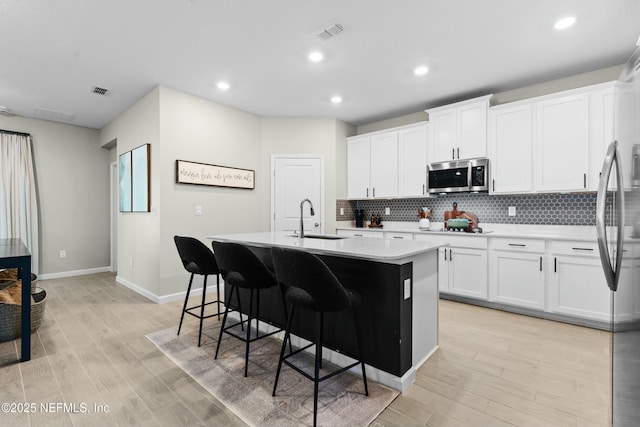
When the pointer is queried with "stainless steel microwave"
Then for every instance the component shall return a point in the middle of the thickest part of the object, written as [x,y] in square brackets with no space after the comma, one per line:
[458,176]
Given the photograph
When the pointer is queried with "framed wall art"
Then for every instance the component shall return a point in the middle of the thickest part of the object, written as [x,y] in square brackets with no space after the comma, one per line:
[135,179]
[214,175]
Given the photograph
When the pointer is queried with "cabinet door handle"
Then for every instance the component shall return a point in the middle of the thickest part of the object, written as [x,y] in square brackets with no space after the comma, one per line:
[423,189]
[494,184]
[398,237]
[453,154]
[358,235]
[445,254]
[458,150]
[585,180]
[540,263]
[583,249]
[367,191]
[374,191]
[555,264]
[520,245]
[450,255]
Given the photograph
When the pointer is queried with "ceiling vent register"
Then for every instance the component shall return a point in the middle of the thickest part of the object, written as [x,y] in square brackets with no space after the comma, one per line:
[100,91]
[331,31]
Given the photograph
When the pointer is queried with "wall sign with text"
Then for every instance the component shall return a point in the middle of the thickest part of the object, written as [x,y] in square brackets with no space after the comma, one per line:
[214,175]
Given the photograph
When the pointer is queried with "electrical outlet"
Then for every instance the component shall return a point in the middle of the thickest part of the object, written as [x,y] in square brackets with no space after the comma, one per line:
[198,210]
[512,211]
[407,288]
[63,253]
[387,211]
[341,211]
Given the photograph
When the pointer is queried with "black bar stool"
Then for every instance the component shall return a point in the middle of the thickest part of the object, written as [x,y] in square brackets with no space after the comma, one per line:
[241,268]
[197,258]
[310,285]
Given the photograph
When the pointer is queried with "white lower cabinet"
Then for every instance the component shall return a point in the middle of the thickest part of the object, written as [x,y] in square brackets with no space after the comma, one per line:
[516,272]
[577,286]
[468,272]
[462,266]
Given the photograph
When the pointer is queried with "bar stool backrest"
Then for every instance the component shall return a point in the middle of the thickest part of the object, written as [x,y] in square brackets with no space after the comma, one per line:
[196,257]
[303,270]
[234,258]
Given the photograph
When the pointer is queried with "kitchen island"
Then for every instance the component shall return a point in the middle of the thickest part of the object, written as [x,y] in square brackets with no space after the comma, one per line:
[398,282]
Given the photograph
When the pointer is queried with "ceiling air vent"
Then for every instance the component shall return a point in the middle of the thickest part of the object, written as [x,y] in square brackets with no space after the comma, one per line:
[53,115]
[330,31]
[99,91]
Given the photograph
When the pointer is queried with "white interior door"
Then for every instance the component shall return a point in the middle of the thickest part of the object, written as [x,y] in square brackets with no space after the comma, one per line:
[296,178]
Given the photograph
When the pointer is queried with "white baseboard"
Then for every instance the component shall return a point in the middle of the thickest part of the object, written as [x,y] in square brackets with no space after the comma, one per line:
[74,273]
[166,298]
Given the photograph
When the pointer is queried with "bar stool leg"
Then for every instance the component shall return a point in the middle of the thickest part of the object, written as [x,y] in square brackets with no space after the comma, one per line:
[204,296]
[357,325]
[224,320]
[218,290]
[186,300]
[284,346]
[246,347]
[317,369]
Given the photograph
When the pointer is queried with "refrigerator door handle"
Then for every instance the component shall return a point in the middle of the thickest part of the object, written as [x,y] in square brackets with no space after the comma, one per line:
[611,272]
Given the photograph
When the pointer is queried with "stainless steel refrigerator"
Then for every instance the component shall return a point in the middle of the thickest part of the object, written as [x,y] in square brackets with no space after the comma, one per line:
[618,226]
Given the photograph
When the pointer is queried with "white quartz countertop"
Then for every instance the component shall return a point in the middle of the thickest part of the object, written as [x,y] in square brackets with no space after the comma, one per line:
[528,231]
[350,247]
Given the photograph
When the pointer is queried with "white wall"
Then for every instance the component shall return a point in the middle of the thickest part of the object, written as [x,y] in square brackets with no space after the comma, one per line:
[139,233]
[73,186]
[195,129]
[311,136]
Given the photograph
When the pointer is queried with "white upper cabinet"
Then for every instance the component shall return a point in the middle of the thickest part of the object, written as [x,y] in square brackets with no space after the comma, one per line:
[562,141]
[384,165]
[601,131]
[358,168]
[388,163]
[553,143]
[459,131]
[412,161]
[511,148]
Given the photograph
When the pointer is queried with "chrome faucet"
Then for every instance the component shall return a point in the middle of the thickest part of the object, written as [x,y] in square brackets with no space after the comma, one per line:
[312,214]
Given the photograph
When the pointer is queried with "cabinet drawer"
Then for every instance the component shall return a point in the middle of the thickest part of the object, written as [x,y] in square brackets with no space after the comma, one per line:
[361,233]
[472,242]
[392,235]
[576,248]
[522,245]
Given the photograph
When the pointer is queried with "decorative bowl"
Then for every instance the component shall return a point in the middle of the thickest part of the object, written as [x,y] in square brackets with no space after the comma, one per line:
[458,223]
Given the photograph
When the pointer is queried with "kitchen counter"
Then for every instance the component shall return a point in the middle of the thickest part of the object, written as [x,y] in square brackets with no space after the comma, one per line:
[398,283]
[525,231]
[379,250]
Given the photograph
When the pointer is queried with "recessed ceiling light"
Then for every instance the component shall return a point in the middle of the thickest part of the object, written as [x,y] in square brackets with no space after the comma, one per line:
[421,70]
[316,56]
[336,99]
[564,23]
[222,85]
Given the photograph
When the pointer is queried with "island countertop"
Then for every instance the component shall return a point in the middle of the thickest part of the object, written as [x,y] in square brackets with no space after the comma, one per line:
[352,247]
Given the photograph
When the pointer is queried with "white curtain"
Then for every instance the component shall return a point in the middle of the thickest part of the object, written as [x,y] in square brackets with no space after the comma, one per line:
[18,199]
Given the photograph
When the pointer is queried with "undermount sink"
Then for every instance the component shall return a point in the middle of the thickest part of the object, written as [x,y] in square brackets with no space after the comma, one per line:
[322,236]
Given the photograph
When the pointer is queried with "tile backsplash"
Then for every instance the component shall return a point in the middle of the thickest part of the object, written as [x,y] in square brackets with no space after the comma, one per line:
[552,209]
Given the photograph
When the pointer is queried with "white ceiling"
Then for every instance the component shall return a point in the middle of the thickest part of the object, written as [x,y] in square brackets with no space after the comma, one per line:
[55,52]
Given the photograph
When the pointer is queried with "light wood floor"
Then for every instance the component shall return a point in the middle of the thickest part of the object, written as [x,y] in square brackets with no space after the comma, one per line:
[492,368]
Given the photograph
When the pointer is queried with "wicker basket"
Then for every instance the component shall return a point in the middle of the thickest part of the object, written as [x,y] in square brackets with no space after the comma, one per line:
[10,327]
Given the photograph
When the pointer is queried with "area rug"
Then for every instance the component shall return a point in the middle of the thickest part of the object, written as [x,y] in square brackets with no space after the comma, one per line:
[341,399]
